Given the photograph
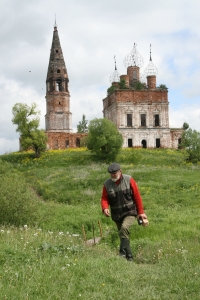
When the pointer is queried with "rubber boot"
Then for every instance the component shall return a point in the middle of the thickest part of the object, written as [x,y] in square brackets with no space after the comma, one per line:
[129,255]
[122,248]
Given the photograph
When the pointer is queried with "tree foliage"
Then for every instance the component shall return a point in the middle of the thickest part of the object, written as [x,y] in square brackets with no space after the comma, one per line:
[121,85]
[27,120]
[191,142]
[82,126]
[111,89]
[185,126]
[162,87]
[138,86]
[104,139]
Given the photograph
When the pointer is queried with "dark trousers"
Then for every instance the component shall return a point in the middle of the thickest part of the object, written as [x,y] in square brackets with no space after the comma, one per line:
[124,225]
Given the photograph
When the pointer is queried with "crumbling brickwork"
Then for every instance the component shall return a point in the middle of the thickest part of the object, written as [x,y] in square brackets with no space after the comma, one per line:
[141,115]
[63,140]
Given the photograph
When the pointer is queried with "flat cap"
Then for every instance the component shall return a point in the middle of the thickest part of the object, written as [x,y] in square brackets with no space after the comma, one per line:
[114,167]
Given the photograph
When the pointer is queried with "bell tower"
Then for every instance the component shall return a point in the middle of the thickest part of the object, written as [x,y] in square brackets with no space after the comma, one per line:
[58,116]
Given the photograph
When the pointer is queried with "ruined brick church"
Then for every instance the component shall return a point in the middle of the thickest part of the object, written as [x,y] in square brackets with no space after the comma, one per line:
[139,109]
[141,113]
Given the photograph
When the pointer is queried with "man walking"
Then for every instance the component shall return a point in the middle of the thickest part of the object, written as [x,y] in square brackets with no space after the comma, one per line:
[121,194]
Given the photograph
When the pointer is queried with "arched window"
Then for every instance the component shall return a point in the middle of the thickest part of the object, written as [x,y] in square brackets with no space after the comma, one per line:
[58,71]
[134,74]
[58,86]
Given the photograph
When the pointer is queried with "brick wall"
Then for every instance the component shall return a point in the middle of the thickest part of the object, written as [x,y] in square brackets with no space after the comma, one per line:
[63,140]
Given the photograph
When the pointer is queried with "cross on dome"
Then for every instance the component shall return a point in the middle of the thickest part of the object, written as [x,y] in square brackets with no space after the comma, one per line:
[151,69]
[115,77]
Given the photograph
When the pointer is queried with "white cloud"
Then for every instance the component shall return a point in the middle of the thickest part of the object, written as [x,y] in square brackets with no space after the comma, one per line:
[91,33]
[189,114]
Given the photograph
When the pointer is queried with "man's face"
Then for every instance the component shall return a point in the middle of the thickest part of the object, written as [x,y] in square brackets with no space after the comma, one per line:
[115,176]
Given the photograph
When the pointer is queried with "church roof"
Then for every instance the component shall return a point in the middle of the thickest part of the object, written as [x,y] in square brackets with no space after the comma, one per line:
[56,61]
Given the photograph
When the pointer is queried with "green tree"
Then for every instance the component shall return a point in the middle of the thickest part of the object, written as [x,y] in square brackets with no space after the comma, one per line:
[111,89]
[162,87]
[138,86]
[104,139]
[82,126]
[122,84]
[27,120]
[191,142]
[185,126]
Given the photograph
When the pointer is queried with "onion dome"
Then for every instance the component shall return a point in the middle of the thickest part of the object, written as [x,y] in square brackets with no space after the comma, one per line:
[151,69]
[134,58]
[115,77]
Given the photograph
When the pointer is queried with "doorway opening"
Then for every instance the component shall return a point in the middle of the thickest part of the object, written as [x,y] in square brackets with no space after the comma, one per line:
[157,143]
[144,144]
[130,143]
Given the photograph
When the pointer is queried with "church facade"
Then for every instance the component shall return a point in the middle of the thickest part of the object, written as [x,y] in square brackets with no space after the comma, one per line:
[140,109]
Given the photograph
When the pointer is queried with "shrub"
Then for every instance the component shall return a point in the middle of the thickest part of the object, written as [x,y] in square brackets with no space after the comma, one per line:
[104,139]
[18,204]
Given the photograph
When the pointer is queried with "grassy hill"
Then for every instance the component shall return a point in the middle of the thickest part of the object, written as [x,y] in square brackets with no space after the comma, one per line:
[45,202]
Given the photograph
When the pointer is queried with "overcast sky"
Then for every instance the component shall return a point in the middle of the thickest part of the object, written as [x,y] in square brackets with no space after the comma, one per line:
[91,32]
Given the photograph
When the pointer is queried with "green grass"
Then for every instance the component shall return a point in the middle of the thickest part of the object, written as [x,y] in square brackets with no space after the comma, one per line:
[46,257]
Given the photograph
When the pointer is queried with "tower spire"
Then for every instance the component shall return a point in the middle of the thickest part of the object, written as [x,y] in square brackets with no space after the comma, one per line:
[55,25]
[58,117]
[150,53]
[115,63]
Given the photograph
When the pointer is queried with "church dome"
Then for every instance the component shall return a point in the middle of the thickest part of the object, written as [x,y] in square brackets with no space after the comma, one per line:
[151,69]
[115,76]
[134,58]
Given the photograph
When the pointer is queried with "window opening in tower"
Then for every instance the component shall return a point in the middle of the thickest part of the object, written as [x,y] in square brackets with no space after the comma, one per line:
[58,86]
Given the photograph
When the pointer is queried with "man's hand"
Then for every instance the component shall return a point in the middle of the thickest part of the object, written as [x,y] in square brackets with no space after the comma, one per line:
[143,216]
[106,212]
